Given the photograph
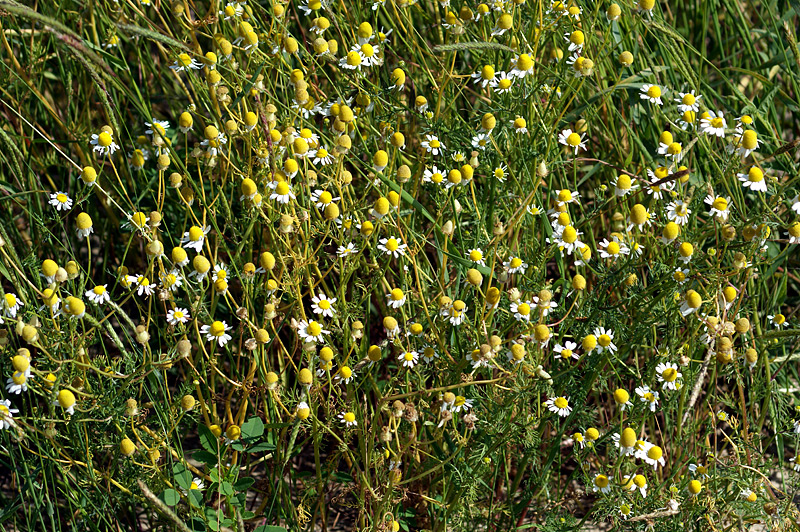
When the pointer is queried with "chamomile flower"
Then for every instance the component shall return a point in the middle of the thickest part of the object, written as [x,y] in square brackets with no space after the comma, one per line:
[282,192]
[778,320]
[612,249]
[699,471]
[567,351]
[312,331]
[157,128]
[60,201]
[457,312]
[232,10]
[186,62]
[753,179]
[484,76]
[323,305]
[521,310]
[680,276]
[668,375]
[653,455]
[625,510]
[605,340]
[746,143]
[652,93]
[636,482]
[678,211]
[502,83]
[476,256]
[217,332]
[396,298]
[144,287]
[177,315]
[688,101]
[322,198]
[432,145]
[392,246]
[626,441]
[17,382]
[523,66]
[320,157]
[601,484]
[515,265]
[713,124]
[171,280]
[559,405]
[500,173]
[103,143]
[408,359]
[98,295]
[345,375]
[346,250]
[348,418]
[195,238]
[573,140]
[481,141]
[11,305]
[433,175]
[719,207]
[648,397]
[7,414]
[624,185]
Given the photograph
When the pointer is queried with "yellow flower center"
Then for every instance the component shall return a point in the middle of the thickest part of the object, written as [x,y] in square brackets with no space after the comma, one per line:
[516,262]
[104,139]
[570,235]
[282,188]
[314,328]
[561,402]
[324,304]
[392,244]
[669,374]
[716,122]
[408,356]
[349,417]
[353,58]
[435,143]
[688,99]
[601,481]
[721,204]
[99,290]
[755,175]
[604,340]
[655,452]
[750,140]
[573,139]
[613,248]
[524,309]
[654,91]
[195,233]
[475,255]
[217,328]
[779,319]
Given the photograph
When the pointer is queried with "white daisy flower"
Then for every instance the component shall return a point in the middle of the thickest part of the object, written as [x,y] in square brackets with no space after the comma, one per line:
[432,144]
[714,124]
[668,375]
[648,397]
[178,315]
[408,359]
[217,331]
[312,331]
[60,201]
[98,295]
[559,405]
[7,414]
[195,238]
[566,351]
[392,246]
[323,305]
